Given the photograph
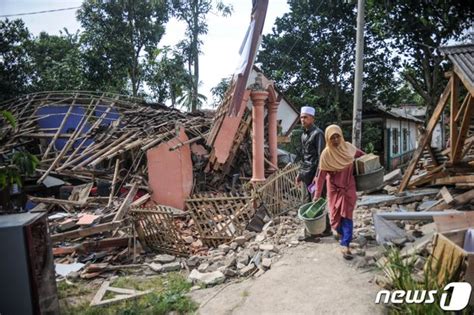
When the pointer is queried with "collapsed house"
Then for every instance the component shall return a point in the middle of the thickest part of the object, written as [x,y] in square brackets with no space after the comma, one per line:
[113,170]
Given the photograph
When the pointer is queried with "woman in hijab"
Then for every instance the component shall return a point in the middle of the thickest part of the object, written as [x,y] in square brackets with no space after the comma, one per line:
[336,168]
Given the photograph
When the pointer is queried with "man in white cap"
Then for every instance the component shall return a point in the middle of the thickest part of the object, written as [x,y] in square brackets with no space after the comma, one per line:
[312,144]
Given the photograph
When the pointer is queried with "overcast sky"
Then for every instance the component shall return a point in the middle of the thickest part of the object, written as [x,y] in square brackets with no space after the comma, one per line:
[221,44]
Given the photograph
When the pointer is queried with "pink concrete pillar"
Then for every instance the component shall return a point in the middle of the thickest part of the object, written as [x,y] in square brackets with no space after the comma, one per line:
[272,134]
[258,167]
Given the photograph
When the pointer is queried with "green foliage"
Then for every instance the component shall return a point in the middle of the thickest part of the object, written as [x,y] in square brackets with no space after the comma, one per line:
[372,136]
[9,176]
[15,67]
[415,30]
[400,273]
[25,162]
[57,62]
[310,54]
[168,296]
[188,101]
[8,117]
[194,13]
[166,75]
[218,92]
[116,34]
[21,163]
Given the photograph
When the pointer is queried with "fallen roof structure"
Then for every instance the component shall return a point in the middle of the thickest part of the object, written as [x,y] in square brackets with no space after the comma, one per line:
[460,165]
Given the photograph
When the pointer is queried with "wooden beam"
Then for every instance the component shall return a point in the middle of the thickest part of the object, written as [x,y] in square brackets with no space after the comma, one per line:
[453,126]
[464,80]
[447,197]
[455,179]
[58,132]
[432,155]
[466,122]
[462,108]
[114,181]
[468,141]
[427,136]
[126,203]
[85,232]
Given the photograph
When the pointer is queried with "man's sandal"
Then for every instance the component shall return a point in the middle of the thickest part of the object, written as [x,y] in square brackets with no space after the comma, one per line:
[346,253]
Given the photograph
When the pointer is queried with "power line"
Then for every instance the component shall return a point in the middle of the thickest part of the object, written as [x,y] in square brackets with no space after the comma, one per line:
[37,12]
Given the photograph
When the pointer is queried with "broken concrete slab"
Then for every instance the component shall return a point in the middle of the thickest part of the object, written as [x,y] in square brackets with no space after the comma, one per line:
[174,266]
[164,258]
[407,197]
[266,263]
[209,278]
[269,247]
[422,216]
[392,177]
[247,270]
[156,267]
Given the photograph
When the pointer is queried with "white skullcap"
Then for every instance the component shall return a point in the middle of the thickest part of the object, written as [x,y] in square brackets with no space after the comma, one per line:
[307,110]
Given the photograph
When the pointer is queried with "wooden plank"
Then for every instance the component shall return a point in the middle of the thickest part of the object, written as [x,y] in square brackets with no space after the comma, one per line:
[126,203]
[58,132]
[459,200]
[70,142]
[140,201]
[455,221]
[114,181]
[426,137]
[453,126]
[468,141]
[448,198]
[464,80]
[466,122]
[105,227]
[454,179]
[432,155]
[100,293]
[462,109]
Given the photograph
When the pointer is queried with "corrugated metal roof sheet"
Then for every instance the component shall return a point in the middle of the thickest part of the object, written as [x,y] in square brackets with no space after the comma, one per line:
[399,113]
[462,56]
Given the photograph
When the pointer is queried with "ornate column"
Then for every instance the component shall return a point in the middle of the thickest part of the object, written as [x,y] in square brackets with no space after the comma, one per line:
[258,96]
[272,134]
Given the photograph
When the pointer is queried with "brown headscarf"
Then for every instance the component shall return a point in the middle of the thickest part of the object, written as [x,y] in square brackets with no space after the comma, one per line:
[335,159]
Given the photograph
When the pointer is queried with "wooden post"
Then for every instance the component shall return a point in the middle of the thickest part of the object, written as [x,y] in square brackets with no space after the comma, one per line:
[427,136]
[466,121]
[453,127]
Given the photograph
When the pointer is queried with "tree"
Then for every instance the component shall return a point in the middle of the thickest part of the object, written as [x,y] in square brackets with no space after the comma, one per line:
[310,55]
[166,75]
[193,13]
[116,35]
[218,92]
[15,68]
[415,29]
[57,62]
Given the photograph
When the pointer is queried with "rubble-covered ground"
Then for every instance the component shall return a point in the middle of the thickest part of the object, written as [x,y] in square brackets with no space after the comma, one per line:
[268,271]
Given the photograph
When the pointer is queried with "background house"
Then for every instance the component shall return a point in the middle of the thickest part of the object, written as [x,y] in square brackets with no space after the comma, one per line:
[398,134]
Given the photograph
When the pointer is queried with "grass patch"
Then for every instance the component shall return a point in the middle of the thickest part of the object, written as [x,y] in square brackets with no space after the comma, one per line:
[66,290]
[400,273]
[168,295]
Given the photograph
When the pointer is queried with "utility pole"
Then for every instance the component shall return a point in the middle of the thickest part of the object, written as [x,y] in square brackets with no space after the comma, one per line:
[357,112]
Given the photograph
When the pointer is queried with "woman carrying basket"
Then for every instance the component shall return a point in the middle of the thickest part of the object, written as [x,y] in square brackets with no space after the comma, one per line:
[336,168]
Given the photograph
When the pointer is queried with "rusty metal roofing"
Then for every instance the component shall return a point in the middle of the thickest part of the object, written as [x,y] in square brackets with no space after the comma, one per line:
[462,56]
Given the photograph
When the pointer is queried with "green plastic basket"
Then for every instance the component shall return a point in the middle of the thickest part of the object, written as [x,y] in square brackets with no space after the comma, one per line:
[317,224]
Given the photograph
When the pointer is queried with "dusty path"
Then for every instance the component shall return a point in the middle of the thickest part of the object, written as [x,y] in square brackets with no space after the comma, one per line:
[309,279]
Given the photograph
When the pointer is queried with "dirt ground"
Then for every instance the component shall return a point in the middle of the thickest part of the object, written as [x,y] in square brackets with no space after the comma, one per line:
[311,278]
